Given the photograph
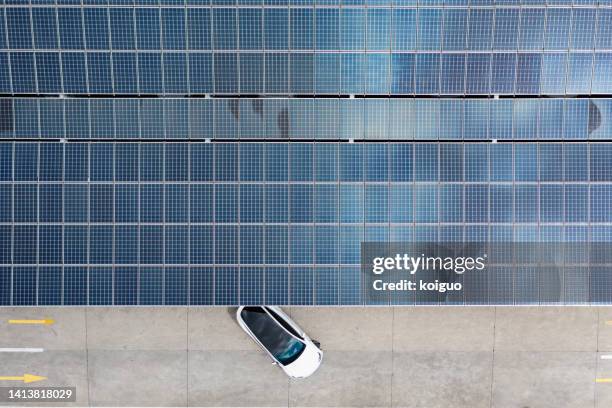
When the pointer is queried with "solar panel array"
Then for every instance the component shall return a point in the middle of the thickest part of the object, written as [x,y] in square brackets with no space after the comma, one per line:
[195,153]
[379,48]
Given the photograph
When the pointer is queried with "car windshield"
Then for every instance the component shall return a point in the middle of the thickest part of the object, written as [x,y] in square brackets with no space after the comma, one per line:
[284,347]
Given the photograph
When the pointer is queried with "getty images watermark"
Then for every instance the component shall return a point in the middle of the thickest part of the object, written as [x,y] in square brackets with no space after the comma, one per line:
[413,264]
[486,272]
[418,272]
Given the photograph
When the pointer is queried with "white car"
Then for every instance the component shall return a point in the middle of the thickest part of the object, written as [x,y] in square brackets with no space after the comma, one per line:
[283,340]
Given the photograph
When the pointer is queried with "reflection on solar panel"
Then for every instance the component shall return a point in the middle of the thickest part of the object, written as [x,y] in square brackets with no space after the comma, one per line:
[306,119]
[181,152]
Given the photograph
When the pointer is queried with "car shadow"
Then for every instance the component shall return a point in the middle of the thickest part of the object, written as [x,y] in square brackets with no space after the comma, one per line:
[231,311]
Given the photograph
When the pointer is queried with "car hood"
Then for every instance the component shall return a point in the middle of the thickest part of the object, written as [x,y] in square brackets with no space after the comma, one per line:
[306,364]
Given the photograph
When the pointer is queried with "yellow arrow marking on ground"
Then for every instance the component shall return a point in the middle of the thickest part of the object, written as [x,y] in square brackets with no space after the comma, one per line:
[26,378]
[46,322]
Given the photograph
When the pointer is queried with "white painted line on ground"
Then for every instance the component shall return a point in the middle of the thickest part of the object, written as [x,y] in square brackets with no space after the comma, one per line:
[21,350]
[606,357]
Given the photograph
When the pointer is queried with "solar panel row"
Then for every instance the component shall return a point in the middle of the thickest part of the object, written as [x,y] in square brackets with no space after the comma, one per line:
[304,162]
[22,286]
[86,50]
[320,3]
[300,27]
[306,118]
[322,74]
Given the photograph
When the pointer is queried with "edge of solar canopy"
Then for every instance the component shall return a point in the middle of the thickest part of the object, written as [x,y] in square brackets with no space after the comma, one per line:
[297,141]
[301,96]
[339,305]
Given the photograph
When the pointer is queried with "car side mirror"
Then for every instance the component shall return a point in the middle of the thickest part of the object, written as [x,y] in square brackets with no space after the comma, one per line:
[274,363]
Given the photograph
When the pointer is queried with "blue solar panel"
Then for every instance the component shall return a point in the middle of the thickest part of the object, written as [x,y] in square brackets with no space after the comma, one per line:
[75,285]
[251,286]
[277,285]
[101,287]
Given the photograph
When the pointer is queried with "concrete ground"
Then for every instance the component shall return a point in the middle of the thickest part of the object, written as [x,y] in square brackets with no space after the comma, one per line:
[402,357]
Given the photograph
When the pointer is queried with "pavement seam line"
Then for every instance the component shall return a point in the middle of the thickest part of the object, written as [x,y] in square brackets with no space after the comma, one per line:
[187,350]
[290,312]
[493,358]
[392,351]
[87,358]
[596,359]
